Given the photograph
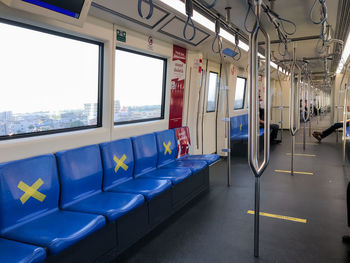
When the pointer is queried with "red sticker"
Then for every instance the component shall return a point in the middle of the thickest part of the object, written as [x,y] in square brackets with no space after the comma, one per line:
[183,141]
[177,86]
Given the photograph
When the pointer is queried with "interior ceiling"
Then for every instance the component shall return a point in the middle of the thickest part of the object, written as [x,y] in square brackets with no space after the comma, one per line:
[297,10]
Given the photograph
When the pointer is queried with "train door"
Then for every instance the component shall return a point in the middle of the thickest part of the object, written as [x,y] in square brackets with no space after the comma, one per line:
[212,85]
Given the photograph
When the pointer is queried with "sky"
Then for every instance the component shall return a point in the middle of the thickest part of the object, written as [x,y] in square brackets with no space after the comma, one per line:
[138,79]
[44,72]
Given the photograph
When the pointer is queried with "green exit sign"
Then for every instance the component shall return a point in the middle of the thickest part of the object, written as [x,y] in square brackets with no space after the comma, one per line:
[121,35]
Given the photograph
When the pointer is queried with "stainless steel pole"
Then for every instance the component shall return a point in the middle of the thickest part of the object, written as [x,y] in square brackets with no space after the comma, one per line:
[253,137]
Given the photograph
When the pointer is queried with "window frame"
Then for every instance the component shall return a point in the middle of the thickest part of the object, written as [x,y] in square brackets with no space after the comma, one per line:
[162,107]
[244,94]
[217,84]
[100,81]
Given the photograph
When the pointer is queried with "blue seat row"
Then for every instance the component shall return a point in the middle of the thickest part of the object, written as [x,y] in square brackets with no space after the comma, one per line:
[239,128]
[54,201]
[12,251]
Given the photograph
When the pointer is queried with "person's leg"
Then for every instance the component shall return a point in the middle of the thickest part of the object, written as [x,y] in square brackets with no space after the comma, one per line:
[274,131]
[331,129]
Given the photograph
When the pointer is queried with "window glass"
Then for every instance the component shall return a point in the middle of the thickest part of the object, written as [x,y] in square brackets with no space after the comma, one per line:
[139,87]
[212,91]
[240,93]
[48,83]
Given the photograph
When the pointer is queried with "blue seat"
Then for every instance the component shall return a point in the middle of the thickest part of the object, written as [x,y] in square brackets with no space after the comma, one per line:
[239,128]
[16,252]
[81,185]
[209,158]
[347,131]
[29,194]
[167,151]
[118,166]
[174,175]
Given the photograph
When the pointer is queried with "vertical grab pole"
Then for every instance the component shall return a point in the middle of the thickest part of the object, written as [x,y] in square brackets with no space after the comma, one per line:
[253,138]
[293,130]
[345,115]
[306,107]
[227,118]
[281,109]
[281,100]
[308,117]
[310,104]
[339,96]
[303,97]
[228,126]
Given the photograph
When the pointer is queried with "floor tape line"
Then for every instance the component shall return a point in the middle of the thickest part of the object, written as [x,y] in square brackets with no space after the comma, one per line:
[288,218]
[283,171]
[308,143]
[302,154]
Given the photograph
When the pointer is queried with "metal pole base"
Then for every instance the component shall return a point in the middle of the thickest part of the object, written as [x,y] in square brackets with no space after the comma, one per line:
[292,156]
[257,217]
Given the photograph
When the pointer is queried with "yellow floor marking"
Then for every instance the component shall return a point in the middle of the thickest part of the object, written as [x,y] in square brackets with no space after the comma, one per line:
[302,154]
[294,219]
[283,171]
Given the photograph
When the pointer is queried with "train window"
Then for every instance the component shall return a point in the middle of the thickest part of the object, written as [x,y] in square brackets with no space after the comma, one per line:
[50,82]
[240,93]
[212,91]
[140,81]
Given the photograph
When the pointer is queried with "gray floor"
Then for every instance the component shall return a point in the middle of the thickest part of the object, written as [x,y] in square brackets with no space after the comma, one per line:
[217,228]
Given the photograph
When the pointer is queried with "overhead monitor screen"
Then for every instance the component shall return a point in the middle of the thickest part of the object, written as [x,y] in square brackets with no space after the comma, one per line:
[67,7]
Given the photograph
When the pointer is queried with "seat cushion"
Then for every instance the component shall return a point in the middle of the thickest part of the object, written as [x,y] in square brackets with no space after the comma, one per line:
[111,205]
[16,252]
[195,166]
[57,230]
[149,188]
[209,158]
[174,175]
[235,137]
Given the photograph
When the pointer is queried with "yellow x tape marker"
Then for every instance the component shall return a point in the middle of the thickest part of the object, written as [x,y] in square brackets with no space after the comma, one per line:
[167,147]
[31,191]
[240,127]
[120,163]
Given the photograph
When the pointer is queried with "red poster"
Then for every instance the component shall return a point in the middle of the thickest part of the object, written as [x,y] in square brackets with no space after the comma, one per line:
[178,73]
[183,141]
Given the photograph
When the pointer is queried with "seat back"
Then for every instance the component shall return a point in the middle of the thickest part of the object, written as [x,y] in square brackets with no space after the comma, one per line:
[239,124]
[28,189]
[80,173]
[166,146]
[245,122]
[117,161]
[145,153]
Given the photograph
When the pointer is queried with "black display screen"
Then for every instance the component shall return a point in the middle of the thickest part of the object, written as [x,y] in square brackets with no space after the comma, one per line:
[67,7]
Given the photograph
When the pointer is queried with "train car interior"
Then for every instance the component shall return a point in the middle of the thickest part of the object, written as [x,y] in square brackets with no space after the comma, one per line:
[174,131]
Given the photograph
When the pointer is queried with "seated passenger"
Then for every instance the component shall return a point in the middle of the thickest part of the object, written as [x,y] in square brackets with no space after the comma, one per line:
[274,127]
[320,135]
